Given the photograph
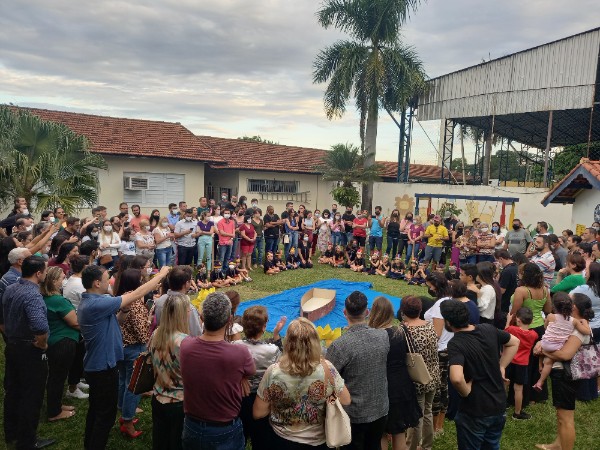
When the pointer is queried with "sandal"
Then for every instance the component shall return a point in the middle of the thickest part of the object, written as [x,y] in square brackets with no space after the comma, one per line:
[62,415]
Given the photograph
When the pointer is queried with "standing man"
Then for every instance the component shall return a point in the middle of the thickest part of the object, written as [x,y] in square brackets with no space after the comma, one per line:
[360,356]
[203,206]
[124,209]
[289,207]
[99,316]
[517,239]
[272,222]
[71,229]
[348,220]
[226,231]
[224,203]
[436,234]
[560,253]
[212,371]
[544,258]
[477,374]
[173,217]
[376,224]
[185,236]
[182,208]
[134,222]
[23,319]
[589,235]
[15,258]
[573,243]
[334,208]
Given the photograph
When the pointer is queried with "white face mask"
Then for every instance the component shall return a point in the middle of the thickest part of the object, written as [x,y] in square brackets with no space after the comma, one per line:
[147,228]
[174,212]
[231,266]
[249,221]
[165,224]
[485,229]
[188,219]
[29,228]
[108,228]
[254,205]
[25,211]
[149,270]
[227,216]
[94,234]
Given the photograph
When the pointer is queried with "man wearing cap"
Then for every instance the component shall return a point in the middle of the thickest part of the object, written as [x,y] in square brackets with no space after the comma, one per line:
[436,235]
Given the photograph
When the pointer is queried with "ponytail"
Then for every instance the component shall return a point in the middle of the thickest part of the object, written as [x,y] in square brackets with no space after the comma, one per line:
[584,306]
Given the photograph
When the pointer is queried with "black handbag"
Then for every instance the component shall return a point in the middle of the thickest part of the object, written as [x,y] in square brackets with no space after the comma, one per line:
[142,378]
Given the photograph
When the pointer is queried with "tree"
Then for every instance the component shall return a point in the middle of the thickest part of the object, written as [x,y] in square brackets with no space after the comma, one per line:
[346,165]
[46,163]
[570,156]
[257,138]
[374,67]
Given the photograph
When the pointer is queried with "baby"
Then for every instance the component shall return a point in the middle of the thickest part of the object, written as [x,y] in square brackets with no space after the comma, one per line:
[559,326]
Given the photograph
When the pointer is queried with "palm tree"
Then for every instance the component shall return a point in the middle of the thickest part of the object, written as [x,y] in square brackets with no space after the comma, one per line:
[47,163]
[374,67]
[346,165]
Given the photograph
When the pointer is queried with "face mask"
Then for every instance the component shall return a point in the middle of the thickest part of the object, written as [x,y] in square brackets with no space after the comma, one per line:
[377,213]
[149,270]
[165,224]
[223,197]
[108,228]
[29,228]
[231,266]
[338,217]
[359,216]
[516,226]
[25,211]
[494,228]
[188,219]
[156,216]
[249,221]
[254,205]
[409,218]
[317,215]
[305,238]
[485,229]
[227,216]
[173,211]
[94,234]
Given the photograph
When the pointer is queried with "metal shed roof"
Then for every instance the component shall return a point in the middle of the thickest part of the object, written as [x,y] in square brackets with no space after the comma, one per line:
[521,88]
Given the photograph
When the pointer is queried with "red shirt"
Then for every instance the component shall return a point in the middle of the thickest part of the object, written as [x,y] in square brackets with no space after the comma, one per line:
[360,232]
[212,373]
[134,222]
[227,226]
[528,339]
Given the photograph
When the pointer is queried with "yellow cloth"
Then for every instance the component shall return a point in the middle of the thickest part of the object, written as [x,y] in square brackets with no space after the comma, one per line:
[438,235]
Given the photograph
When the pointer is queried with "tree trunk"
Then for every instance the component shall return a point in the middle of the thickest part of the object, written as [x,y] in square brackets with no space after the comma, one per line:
[370,151]
[487,158]
[462,153]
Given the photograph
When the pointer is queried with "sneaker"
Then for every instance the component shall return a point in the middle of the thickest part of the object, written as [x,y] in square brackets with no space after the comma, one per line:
[521,416]
[77,393]
[81,385]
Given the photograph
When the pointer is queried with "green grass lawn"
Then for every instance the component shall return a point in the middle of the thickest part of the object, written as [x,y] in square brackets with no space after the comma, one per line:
[517,434]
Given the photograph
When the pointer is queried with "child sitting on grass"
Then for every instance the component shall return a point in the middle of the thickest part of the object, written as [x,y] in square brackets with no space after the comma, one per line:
[375,262]
[269,266]
[397,269]
[358,263]
[202,280]
[559,326]
[233,275]
[418,273]
[327,257]
[279,262]
[384,266]
[339,257]
[218,278]
[351,251]
[304,254]
[517,370]
[292,262]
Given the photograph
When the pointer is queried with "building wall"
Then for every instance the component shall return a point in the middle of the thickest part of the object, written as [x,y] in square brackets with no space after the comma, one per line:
[584,208]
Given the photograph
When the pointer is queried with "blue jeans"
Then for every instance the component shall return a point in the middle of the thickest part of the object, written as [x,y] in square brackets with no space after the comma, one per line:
[347,237]
[336,238]
[225,255]
[474,433]
[293,243]
[258,254]
[203,436]
[205,243]
[164,256]
[271,244]
[409,252]
[127,401]
[375,242]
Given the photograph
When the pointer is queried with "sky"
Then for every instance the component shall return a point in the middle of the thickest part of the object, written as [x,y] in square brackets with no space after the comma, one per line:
[230,68]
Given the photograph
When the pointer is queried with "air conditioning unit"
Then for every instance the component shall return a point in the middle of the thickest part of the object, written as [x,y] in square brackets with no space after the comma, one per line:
[136,184]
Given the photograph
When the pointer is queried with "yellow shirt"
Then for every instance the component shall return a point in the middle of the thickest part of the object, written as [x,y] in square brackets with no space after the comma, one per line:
[438,235]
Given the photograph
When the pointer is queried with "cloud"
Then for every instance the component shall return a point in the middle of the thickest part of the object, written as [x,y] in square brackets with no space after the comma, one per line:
[236,67]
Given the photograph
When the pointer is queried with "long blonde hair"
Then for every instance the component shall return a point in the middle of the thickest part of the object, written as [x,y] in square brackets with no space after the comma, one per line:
[174,319]
[301,349]
[382,313]
[49,286]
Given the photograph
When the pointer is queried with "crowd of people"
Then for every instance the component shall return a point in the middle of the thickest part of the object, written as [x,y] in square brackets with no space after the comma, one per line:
[82,299]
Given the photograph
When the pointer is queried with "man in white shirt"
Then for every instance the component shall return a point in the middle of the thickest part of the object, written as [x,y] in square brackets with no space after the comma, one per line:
[544,258]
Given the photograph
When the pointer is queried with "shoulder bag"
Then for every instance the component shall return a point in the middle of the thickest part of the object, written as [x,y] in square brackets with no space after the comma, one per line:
[417,369]
[337,423]
[143,377]
[585,364]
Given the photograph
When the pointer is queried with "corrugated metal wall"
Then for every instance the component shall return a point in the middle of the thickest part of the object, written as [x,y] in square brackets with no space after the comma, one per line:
[555,76]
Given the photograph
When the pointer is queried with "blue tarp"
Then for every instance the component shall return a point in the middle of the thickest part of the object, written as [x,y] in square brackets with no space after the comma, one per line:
[287,303]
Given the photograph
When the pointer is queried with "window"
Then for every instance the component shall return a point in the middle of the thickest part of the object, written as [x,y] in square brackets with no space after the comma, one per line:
[161,188]
[273,186]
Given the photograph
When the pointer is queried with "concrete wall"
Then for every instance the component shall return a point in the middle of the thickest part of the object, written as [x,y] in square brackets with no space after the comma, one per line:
[584,208]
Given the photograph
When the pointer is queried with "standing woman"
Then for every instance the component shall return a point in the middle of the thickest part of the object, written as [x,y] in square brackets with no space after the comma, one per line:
[167,398]
[258,254]
[154,219]
[415,237]
[393,233]
[62,344]
[290,224]
[248,240]
[66,251]
[438,287]
[424,336]
[109,242]
[405,225]
[486,244]
[163,238]
[294,390]
[499,234]
[337,228]
[206,231]
[404,412]
[135,335]
[324,231]
[215,219]
[488,298]
[308,228]
[144,241]
[457,233]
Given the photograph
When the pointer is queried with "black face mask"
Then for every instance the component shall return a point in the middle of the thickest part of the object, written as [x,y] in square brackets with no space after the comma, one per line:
[431,292]
[515,226]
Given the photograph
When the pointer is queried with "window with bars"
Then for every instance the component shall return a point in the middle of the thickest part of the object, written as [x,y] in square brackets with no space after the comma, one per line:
[273,186]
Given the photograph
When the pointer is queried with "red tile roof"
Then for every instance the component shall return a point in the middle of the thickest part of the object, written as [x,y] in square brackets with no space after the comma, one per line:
[416,171]
[569,186]
[132,137]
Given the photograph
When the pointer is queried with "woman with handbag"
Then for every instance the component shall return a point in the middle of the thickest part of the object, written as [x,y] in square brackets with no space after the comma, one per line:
[404,412]
[426,343]
[109,242]
[564,388]
[167,398]
[144,240]
[135,334]
[294,391]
